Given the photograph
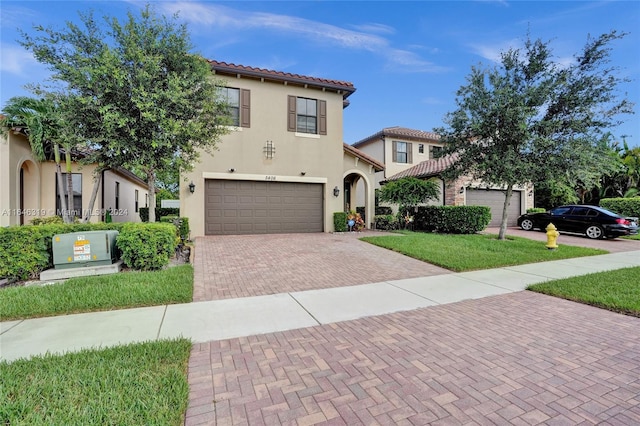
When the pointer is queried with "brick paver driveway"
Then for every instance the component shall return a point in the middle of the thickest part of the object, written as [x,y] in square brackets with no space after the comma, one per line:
[253,265]
[519,358]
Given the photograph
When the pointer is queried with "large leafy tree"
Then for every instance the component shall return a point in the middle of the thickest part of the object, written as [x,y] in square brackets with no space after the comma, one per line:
[135,93]
[41,121]
[529,118]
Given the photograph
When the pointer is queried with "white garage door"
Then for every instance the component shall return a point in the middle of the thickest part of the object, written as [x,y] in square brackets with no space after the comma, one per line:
[250,207]
[494,199]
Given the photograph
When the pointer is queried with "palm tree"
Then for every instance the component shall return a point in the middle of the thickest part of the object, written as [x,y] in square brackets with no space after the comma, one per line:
[39,119]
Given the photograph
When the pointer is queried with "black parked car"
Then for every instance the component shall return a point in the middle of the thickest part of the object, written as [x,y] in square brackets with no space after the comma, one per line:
[593,221]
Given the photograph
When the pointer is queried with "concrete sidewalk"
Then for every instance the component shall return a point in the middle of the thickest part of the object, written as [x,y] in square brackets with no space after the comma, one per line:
[229,318]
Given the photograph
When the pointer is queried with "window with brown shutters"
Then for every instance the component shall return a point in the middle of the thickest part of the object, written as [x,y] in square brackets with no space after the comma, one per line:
[402,152]
[305,115]
[238,105]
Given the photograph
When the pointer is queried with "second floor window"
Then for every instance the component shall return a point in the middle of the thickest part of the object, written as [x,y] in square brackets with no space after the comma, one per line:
[307,116]
[238,105]
[434,151]
[232,99]
[402,152]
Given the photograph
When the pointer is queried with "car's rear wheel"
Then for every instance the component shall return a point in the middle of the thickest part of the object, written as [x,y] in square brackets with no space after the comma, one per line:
[594,232]
[527,224]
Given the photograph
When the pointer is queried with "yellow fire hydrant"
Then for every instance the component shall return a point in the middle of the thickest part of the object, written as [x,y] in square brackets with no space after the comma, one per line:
[552,237]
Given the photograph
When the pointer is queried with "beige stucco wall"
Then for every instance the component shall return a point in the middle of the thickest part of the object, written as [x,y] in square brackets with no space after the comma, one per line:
[40,185]
[318,156]
[126,211]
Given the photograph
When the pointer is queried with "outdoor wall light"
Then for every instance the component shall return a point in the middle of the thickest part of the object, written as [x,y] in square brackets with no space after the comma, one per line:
[336,191]
[303,173]
[231,170]
[462,189]
[192,187]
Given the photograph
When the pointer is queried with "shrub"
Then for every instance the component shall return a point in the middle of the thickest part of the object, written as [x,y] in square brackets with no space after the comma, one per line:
[536,210]
[386,222]
[452,219]
[340,221]
[160,213]
[145,246]
[47,220]
[622,206]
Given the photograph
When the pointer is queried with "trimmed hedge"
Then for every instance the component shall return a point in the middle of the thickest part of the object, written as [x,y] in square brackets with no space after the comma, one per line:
[340,222]
[160,213]
[147,246]
[622,206]
[452,219]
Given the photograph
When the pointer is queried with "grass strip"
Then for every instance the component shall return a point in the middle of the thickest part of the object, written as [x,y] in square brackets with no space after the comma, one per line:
[137,384]
[461,253]
[617,290]
[99,293]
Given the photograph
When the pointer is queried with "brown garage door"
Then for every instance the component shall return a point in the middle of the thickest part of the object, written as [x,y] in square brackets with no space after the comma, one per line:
[495,201]
[250,207]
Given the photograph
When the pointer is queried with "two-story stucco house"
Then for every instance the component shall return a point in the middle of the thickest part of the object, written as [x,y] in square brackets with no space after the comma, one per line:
[408,152]
[29,190]
[283,167]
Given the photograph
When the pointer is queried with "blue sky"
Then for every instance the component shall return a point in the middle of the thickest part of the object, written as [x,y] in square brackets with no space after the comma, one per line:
[406,59]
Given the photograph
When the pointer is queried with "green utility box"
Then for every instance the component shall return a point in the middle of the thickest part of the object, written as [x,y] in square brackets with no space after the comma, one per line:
[82,249]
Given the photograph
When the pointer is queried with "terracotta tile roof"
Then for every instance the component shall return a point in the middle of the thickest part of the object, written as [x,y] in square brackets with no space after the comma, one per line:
[224,67]
[400,132]
[378,166]
[426,168]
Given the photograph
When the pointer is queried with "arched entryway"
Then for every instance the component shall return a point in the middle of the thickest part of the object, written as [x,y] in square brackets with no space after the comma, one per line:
[358,195]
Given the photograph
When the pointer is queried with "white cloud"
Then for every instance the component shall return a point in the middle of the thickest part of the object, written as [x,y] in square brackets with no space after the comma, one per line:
[222,17]
[15,59]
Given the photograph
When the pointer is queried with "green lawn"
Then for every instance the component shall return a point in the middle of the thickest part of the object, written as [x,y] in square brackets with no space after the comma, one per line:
[138,384]
[471,252]
[632,237]
[617,290]
[99,293]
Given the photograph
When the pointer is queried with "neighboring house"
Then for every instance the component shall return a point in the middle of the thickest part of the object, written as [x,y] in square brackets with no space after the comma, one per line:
[283,167]
[407,152]
[29,189]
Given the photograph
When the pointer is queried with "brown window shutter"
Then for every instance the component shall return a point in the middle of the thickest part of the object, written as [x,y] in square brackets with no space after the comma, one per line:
[322,117]
[245,108]
[291,114]
[394,152]
[409,153]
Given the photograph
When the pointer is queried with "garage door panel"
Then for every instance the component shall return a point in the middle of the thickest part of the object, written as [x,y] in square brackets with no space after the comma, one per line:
[253,207]
[494,199]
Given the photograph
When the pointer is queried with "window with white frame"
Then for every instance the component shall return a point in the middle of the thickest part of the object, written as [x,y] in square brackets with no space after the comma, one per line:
[307,115]
[402,152]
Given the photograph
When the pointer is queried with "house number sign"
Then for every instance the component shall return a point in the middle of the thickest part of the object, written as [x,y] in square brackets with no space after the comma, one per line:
[269,178]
